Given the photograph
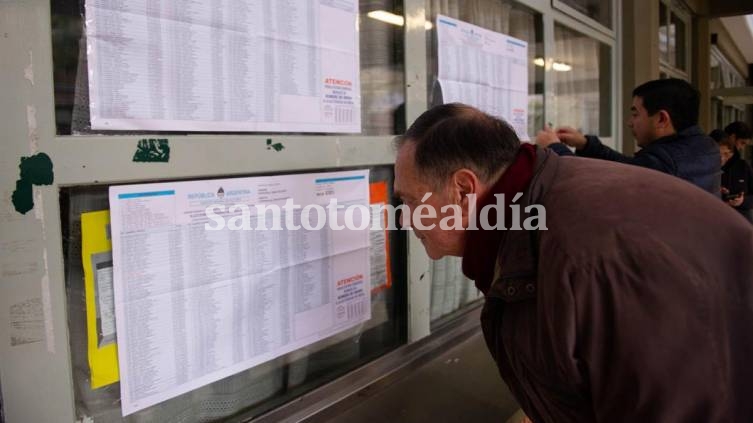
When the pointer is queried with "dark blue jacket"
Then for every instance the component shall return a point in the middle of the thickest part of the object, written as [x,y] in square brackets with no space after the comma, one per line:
[737,177]
[689,154]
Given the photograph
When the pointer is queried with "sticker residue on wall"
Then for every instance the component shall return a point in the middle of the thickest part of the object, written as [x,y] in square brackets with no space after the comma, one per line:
[26,322]
[152,150]
[274,146]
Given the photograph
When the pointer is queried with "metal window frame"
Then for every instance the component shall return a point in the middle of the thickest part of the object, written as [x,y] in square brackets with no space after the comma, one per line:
[675,8]
[556,17]
[580,16]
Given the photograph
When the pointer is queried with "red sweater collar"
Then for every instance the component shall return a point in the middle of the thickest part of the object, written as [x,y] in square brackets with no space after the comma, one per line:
[481,246]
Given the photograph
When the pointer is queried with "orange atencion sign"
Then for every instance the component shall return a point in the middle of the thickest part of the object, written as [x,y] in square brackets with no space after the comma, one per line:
[378,194]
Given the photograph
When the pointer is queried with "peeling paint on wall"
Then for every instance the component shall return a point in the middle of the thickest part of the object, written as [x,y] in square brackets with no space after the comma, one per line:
[29,70]
[47,306]
[15,269]
[19,258]
[31,130]
[26,320]
[39,209]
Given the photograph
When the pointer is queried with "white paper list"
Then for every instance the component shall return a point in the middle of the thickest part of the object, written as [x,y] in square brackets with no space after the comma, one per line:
[484,69]
[193,306]
[227,65]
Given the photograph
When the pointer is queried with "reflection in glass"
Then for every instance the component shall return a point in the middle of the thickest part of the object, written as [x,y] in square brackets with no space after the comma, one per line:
[598,10]
[663,33]
[582,88]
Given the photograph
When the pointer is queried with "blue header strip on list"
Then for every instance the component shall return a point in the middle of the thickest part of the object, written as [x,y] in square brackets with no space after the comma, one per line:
[344,178]
[145,194]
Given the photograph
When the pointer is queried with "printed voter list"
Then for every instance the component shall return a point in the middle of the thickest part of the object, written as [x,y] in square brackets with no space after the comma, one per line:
[193,305]
[248,65]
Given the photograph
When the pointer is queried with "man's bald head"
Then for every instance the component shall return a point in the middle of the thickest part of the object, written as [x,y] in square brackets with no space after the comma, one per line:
[456,136]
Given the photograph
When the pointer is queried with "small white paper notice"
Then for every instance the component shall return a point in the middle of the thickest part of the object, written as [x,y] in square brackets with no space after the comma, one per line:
[194,305]
[484,69]
[105,302]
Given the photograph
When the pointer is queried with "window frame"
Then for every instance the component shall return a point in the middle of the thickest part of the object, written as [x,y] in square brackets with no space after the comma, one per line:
[563,7]
[677,9]
[559,18]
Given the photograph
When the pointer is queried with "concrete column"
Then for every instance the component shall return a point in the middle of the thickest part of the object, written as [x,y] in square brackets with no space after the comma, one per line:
[640,54]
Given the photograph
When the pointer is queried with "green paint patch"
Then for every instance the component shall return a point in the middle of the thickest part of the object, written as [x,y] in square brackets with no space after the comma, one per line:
[23,199]
[276,146]
[37,169]
[152,150]
[34,170]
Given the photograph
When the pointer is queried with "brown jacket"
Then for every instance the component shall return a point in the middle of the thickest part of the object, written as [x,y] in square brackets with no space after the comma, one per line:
[636,305]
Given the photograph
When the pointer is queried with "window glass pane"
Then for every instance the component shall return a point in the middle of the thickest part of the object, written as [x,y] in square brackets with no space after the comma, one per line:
[727,77]
[450,289]
[381,57]
[501,16]
[716,113]
[598,10]
[679,28]
[382,72]
[582,74]
[67,30]
[663,33]
[723,74]
[253,391]
[671,44]
[677,47]
[716,73]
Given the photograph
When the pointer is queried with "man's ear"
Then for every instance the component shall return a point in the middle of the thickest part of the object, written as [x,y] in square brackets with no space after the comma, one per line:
[663,120]
[463,182]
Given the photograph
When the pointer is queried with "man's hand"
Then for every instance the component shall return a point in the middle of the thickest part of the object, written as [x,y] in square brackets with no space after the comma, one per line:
[737,201]
[546,137]
[571,137]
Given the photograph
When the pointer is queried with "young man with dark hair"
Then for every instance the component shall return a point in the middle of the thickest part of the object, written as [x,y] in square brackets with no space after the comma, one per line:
[718,135]
[618,311]
[664,121]
[740,134]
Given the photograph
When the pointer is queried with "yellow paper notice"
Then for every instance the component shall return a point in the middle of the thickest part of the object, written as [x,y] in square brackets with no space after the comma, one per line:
[96,253]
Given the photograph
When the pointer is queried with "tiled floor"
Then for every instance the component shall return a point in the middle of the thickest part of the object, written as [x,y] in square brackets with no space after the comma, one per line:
[460,385]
